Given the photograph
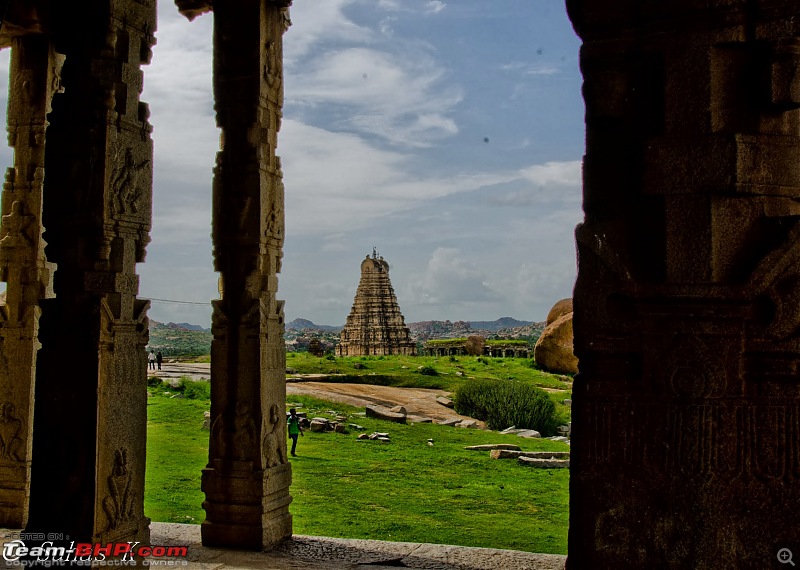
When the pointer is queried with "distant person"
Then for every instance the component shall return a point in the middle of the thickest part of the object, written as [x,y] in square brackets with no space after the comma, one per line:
[159,359]
[293,421]
[151,358]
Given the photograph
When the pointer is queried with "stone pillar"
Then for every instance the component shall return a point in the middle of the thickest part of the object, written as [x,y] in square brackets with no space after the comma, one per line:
[686,411]
[89,430]
[35,69]
[247,479]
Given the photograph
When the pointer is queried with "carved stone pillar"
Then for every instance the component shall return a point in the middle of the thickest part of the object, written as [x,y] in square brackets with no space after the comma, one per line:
[89,431]
[35,76]
[686,411]
[248,476]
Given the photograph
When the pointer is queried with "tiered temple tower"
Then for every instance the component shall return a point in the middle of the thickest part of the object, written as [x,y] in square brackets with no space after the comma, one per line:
[375,324]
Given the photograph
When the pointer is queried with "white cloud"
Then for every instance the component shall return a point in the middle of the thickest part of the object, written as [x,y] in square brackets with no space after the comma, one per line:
[402,98]
[450,279]
[530,69]
[434,6]
[317,23]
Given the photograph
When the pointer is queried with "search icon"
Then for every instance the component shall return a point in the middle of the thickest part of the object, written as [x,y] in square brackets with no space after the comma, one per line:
[785,556]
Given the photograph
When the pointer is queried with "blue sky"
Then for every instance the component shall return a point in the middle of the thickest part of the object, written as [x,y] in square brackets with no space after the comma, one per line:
[448,134]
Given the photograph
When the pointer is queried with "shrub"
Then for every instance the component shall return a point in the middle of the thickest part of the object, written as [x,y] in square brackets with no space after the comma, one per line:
[154,381]
[505,403]
[428,371]
[195,389]
[453,358]
[330,357]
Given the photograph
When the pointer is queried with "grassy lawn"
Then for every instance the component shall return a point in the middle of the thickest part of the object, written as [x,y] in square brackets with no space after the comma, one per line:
[403,490]
[405,370]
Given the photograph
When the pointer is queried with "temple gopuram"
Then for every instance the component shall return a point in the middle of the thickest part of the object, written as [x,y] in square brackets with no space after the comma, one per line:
[375,325]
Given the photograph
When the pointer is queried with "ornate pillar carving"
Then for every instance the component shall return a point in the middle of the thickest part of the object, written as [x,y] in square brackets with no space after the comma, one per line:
[35,76]
[247,478]
[89,433]
[686,411]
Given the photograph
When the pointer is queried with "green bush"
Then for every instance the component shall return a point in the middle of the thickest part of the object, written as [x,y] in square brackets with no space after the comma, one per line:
[153,381]
[505,403]
[195,389]
[428,371]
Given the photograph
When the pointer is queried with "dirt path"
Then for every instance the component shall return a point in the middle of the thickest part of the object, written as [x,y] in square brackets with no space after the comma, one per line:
[416,401]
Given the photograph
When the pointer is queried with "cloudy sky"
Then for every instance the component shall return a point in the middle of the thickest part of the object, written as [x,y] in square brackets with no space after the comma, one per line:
[448,134]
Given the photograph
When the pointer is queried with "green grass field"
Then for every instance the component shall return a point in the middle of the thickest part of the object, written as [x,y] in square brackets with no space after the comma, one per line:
[404,490]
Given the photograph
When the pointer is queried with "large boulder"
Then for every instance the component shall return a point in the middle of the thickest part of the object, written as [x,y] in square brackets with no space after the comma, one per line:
[561,308]
[553,350]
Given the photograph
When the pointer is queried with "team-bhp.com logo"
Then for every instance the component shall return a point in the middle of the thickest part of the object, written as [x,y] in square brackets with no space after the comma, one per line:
[48,553]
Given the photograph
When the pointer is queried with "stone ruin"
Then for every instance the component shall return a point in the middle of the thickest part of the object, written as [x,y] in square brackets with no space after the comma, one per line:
[72,453]
[686,408]
[375,325]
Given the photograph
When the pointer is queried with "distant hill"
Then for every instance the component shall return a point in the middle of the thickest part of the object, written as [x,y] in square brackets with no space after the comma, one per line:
[187,326]
[505,327]
[303,324]
[501,323]
[179,339]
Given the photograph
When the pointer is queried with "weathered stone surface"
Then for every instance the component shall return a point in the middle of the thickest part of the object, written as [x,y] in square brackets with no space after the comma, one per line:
[247,479]
[419,420]
[317,425]
[467,424]
[450,422]
[446,402]
[375,325]
[383,413]
[687,320]
[491,446]
[398,410]
[553,351]
[510,454]
[561,308]
[540,463]
[530,433]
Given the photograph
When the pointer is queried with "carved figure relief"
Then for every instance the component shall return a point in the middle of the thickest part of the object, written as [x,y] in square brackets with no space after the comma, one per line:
[274,452]
[127,184]
[10,429]
[16,225]
[118,505]
[244,435]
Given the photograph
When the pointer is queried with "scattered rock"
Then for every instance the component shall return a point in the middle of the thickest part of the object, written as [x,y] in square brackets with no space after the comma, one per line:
[382,413]
[206,420]
[544,463]
[340,428]
[467,424]
[356,427]
[491,446]
[446,402]
[179,396]
[559,438]
[383,439]
[450,422]
[318,426]
[363,436]
[341,418]
[568,403]
[459,373]
[399,410]
[529,433]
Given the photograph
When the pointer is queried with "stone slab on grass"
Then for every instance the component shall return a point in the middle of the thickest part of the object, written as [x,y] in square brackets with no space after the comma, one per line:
[491,446]
[382,413]
[544,463]
[501,453]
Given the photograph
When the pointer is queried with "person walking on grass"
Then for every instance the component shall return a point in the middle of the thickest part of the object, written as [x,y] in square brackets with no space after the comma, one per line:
[293,421]
[151,359]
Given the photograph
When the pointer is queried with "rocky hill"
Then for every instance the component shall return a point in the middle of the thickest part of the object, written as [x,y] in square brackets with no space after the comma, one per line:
[184,339]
